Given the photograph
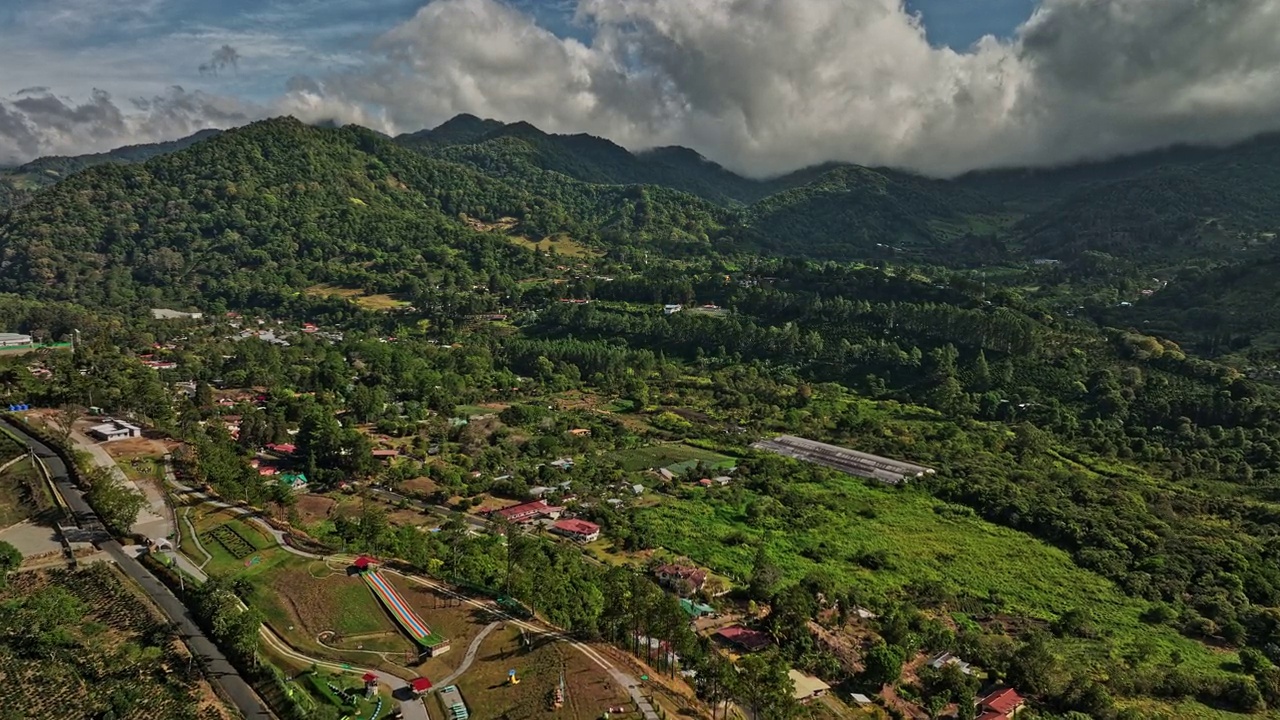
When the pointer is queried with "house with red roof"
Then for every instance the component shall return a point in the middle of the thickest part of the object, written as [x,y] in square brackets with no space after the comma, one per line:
[385,454]
[419,685]
[683,579]
[575,529]
[528,512]
[744,639]
[1001,704]
[282,448]
[364,562]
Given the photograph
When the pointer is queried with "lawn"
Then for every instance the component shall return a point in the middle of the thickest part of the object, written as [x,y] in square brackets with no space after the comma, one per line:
[563,245]
[920,540]
[657,456]
[368,301]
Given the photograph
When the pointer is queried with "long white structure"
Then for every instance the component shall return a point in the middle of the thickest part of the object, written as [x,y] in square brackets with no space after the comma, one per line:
[862,464]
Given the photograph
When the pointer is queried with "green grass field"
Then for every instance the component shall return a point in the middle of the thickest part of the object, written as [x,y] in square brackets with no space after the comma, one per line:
[657,456]
[922,540]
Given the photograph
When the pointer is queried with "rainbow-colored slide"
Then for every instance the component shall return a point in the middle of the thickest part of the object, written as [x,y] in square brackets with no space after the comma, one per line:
[399,609]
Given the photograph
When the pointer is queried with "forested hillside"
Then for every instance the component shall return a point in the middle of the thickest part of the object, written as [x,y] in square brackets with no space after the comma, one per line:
[46,171]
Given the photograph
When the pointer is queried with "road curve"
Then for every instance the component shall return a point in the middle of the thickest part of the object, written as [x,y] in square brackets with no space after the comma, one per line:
[217,668]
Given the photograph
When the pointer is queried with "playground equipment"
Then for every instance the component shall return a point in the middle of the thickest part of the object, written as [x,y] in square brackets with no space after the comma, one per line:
[557,697]
[512,678]
[418,630]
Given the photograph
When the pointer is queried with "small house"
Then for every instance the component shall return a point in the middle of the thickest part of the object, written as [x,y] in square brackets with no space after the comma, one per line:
[666,474]
[1000,705]
[282,448]
[297,482]
[671,309]
[370,684]
[807,687]
[579,530]
[695,609]
[683,579]
[744,639]
[940,661]
[115,430]
[419,685]
[580,432]
[385,454]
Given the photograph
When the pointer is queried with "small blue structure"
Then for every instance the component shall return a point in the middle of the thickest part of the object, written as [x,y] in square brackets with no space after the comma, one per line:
[19,408]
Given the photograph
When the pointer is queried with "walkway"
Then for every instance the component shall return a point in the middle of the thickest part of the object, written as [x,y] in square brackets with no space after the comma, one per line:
[470,657]
[216,666]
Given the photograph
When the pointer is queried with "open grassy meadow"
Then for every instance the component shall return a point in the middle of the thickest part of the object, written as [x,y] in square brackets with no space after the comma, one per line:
[914,539]
[661,456]
[562,245]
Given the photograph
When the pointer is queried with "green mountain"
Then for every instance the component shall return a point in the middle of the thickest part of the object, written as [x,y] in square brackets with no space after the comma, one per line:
[274,204]
[17,183]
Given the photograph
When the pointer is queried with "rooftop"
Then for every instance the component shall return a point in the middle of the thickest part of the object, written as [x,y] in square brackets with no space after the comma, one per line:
[806,685]
[578,527]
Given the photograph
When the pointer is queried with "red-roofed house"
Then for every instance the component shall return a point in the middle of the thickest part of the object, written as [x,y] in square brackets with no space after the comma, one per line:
[419,685]
[683,579]
[363,562]
[744,639]
[385,454]
[282,448]
[1000,705]
[579,530]
[530,511]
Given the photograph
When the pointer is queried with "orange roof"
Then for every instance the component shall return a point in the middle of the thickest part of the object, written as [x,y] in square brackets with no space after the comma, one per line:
[1002,701]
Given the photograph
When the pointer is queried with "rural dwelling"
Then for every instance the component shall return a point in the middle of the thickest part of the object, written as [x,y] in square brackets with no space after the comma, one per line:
[297,482]
[385,454]
[666,474]
[579,530]
[115,430]
[1000,705]
[530,511]
[282,448]
[9,339]
[940,661]
[696,610]
[682,579]
[671,309]
[580,432]
[744,639]
[419,685]
[807,687]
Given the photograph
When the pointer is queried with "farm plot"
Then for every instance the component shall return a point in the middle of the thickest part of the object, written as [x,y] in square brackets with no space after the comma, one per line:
[113,656]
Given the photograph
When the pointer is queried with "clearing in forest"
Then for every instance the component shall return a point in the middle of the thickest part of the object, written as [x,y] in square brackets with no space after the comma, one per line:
[366,300]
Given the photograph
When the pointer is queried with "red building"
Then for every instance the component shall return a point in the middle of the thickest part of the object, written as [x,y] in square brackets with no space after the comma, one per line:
[744,639]
[579,530]
[681,578]
[1000,705]
[528,512]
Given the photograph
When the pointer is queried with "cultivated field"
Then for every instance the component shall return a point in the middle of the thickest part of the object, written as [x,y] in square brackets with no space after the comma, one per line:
[368,301]
[94,648]
[659,456]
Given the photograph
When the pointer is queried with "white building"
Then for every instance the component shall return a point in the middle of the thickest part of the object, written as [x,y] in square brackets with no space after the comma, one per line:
[165,314]
[671,309]
[115,430]
[14,339]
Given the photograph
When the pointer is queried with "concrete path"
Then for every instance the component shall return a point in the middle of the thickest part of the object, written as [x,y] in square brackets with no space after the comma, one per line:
[12,462]
[195,537]
[154,519]
[470,657]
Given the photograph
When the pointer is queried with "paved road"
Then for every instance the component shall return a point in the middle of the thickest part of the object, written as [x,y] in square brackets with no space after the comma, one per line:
[217,668]
[443,513]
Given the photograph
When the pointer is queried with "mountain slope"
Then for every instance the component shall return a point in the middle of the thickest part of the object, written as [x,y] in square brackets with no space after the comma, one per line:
[271,205]
[17,183]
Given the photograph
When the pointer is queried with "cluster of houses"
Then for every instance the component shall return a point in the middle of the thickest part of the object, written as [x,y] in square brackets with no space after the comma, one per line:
[540,511]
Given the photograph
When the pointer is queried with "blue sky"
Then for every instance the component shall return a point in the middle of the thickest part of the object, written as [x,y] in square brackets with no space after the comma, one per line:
[138,47]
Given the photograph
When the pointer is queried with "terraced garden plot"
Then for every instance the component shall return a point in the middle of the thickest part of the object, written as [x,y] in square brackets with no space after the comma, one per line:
[113,655]
[231,541]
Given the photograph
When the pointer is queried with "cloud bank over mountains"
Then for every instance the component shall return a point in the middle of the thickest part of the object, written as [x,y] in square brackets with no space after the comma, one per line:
[766,86]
